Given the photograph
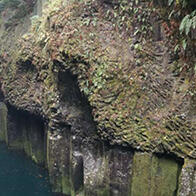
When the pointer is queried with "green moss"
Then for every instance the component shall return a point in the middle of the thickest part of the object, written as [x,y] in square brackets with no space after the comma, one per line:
[3,122]
[16,143]
[141,175]
[154,176]
[38,156]
[103,192]
[81,193]
[132,104]
[27,147]
[56,184]
[48,150]
[66,185]
[165,178]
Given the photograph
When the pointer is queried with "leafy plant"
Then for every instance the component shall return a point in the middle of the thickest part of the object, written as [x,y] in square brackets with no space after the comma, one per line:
[188,23]
[186,7]
[183,13]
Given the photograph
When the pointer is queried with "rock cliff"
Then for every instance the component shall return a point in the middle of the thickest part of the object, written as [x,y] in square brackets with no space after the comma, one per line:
[95,92]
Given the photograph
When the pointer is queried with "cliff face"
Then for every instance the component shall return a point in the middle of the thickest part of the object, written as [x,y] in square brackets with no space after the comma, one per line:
[89,167]
[134,85]
[103,72]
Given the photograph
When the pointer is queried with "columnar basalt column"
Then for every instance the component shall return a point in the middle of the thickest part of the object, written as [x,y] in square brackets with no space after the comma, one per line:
[187,182]
[154,176]
[3,122]
[65,165]
[23,131]
[107,171]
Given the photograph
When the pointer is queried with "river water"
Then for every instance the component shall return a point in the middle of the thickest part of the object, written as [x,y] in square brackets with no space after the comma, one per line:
[19,176]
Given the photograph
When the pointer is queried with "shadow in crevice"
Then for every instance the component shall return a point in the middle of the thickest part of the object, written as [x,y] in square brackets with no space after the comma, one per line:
[27,132]
[73,103]
[69,90]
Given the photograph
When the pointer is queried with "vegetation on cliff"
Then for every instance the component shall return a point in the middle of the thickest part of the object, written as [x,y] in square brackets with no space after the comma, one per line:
[181,26]
[142,94]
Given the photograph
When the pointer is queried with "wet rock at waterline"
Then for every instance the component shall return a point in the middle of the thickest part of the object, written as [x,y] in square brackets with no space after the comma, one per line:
[96,169]
[19,176]
[3,122]
[26,132]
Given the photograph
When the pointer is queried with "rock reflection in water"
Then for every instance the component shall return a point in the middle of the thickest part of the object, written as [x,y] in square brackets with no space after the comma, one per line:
[19,176]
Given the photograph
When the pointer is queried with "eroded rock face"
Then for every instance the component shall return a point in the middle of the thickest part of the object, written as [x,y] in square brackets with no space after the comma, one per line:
[58,160]
[93,168]
[92,81]
[187,182]
[23,131]
[3,122]
[154,175]
[107,171]
[138,98]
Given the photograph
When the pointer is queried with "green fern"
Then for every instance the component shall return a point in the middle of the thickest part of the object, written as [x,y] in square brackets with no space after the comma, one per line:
[188,23]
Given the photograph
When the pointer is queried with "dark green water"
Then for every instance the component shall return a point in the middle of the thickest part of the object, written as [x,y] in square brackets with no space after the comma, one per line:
[19,176]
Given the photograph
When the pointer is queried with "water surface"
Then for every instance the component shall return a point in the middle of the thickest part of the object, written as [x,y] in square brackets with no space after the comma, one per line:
[19,176]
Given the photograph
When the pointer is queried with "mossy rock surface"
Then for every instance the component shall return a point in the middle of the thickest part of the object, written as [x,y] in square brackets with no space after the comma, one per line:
[3,122]
[153,176]
[137,96]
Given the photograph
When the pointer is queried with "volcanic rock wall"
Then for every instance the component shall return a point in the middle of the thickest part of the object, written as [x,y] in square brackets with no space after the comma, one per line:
[92,168]
[96,95]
